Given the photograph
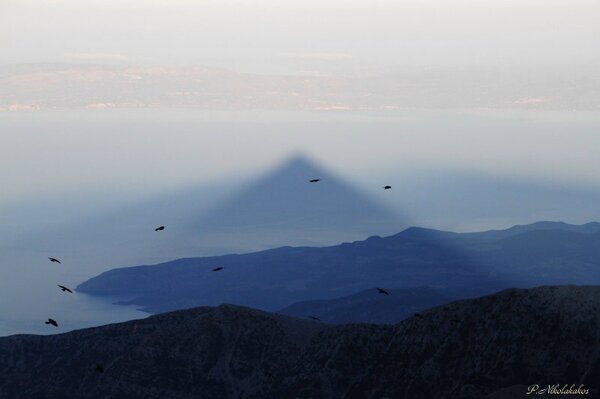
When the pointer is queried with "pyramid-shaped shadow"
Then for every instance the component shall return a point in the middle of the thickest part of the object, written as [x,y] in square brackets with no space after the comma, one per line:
[283,208]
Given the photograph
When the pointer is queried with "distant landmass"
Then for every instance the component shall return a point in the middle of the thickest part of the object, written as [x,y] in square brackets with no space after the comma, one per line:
[491,347]
[456,265]
[365,307]
[43,86]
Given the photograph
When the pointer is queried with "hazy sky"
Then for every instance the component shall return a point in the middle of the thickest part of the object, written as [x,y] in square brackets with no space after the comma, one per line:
[123,150]
[349,37]
[335,36]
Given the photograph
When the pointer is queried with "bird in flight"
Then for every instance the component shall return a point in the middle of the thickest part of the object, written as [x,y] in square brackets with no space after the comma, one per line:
[216,269]
[387,187]
[51,321]
[63,288]
[99,369]
[314,318]
[382,291]
[159,228]
[54,260]
[418,315]
[314,180]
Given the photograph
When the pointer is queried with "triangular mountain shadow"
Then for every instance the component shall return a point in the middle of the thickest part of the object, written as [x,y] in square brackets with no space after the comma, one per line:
[242,214]
[284,208]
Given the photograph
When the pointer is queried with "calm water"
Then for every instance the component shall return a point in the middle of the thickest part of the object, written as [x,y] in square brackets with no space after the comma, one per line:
[70,311]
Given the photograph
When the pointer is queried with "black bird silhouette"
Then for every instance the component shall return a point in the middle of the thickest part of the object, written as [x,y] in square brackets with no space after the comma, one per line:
[159,228]
[418,315]
[51,321]
[54,260]
[314,180]
[455,321]
[99,369]
[314,318]
[387,187]
[216,269]
[63,288]
[382,291]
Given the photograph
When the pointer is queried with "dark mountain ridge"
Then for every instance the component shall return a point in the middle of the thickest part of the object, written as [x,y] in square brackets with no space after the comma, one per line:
[367,307]
[467,349]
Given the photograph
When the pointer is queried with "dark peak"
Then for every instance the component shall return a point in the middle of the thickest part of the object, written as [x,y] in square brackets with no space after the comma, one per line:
[416,230]
[556,225]
[422,289]
[424,233]
[592,227]
[541,294]
[225,312]
[543,224]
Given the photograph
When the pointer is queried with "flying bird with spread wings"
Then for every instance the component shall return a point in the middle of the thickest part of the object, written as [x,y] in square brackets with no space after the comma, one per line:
[52,322]
[382,291]
[54,260]
[63,289]
[159,228]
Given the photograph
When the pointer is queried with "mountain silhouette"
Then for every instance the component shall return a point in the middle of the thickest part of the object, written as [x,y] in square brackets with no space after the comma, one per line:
[466,349]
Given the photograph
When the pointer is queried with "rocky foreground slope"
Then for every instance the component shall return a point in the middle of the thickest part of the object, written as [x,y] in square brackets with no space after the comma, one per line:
[369,306]
[466,349]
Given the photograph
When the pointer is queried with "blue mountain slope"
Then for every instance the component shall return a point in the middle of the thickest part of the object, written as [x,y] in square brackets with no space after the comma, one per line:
[458,265]
[547,256]
[276,278]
